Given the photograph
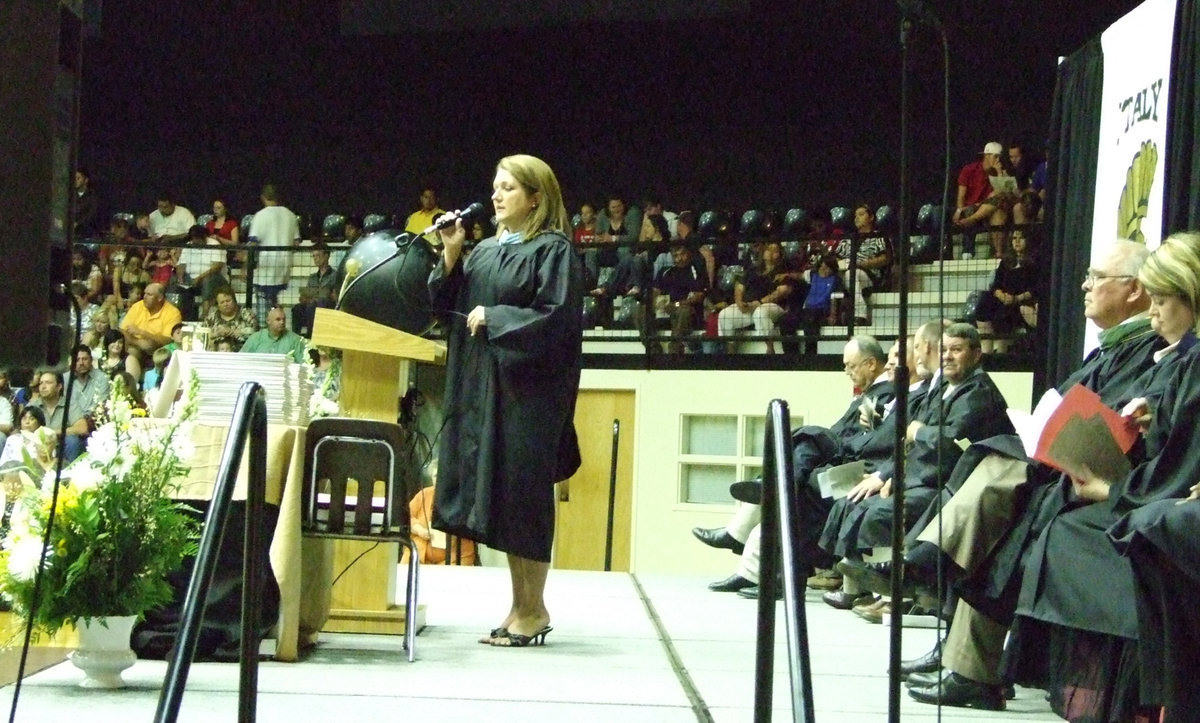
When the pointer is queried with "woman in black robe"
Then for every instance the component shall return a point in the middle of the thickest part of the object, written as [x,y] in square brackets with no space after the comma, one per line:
[513,313]
[1076,631]
[1163,548]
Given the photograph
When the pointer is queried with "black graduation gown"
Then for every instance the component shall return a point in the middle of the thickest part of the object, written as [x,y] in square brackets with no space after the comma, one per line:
[1073,559]
[509,404]
[1163,548]
[818,448]
[1116,374]
[974,408]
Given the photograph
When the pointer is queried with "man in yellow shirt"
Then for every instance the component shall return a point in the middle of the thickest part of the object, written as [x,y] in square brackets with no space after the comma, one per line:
[423,217]
[149,322]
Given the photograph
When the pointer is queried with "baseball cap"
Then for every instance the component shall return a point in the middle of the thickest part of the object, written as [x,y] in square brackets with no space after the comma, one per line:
[993,148]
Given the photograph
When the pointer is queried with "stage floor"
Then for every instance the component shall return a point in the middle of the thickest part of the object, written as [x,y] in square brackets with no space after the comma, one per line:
[606,660]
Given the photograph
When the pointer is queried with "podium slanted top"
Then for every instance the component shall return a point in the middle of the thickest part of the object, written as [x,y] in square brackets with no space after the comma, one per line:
[340,330]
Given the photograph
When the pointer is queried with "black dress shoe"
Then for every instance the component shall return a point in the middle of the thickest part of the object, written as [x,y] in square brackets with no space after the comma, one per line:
[930,662]
[961,692]
[751,593]
[843,600]
[748,491]
[733,583]
[921,680]
[718,537]
[924,680]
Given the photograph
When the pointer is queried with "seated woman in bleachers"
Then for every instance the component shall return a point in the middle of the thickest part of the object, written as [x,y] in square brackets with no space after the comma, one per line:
[128,274]
[85,269]
[34,438]
[229,320]
[757,298]
[1010,301]
[116,358]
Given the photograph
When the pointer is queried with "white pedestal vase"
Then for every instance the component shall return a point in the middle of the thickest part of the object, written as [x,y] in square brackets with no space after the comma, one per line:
[104,652]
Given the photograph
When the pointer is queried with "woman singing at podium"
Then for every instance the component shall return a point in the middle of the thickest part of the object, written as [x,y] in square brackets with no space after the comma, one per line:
[513,312]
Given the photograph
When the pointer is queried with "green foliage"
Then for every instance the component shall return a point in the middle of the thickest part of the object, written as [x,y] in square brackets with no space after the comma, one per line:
[117,533]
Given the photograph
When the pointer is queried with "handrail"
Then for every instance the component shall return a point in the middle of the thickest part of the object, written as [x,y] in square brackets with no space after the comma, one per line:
[249,420]
[779,531]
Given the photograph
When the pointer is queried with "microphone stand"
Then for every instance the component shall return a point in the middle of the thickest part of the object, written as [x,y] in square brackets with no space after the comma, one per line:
[901,378]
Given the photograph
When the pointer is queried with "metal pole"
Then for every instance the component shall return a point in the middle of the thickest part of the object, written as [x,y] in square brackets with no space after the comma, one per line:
[612,496]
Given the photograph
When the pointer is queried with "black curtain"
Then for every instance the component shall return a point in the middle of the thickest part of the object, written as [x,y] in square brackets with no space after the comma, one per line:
[1181,200]
[1074,146]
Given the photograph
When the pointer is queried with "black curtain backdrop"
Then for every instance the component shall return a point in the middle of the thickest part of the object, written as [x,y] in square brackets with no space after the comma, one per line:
[1070,199]
[1181,211]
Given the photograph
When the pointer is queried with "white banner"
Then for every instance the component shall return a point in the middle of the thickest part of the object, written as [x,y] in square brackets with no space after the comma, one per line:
[1133,129]
[1133,125]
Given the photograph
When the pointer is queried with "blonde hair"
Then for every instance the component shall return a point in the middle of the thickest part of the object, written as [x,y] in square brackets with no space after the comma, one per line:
[535,177]
[1173,269]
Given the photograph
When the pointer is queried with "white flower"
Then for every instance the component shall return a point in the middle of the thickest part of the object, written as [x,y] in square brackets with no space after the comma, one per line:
[23,558]
[103,446]
[85,478]
[182,444]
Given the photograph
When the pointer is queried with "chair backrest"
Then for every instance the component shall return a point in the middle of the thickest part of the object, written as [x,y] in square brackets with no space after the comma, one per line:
[245,226]
[795,223]
[203,219]
[929,218]
[373,222]
[841,218]
[885,219]
[334,226]
[338,449]
[729,276]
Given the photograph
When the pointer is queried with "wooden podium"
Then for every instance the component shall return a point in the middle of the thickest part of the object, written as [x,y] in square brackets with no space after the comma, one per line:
[375,365]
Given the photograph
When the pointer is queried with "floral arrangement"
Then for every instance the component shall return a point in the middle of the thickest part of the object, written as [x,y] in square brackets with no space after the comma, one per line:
[116,531]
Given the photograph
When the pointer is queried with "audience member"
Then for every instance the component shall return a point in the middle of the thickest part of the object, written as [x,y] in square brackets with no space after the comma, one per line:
[127,274]
[116,357]
[276,338]
[979,203]
[1010,301]
[33,438]
[149,322]
[199,272]
[85,269]
[230,321]
[221,227]
[619,225]
[274,225]
[320,291]
[757,298]
[425,215]
[85,211]
[681,288]
[353,230]
[873,260]
[169,223]
[49,401]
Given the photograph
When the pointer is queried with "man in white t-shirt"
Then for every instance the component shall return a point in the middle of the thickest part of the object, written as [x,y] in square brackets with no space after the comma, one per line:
[200,272]
[170,223]
[274,225]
